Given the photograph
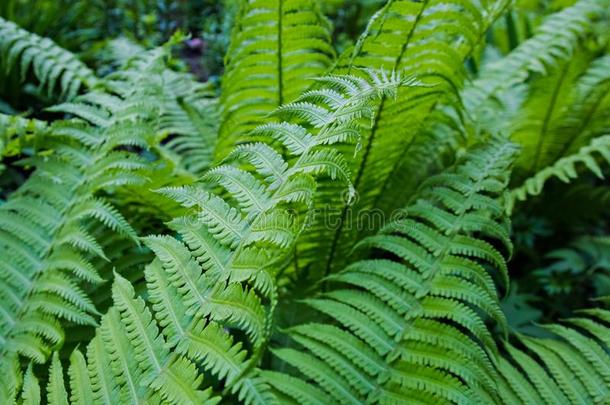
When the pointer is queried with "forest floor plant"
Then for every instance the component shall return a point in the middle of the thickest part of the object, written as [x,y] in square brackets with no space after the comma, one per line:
[421,218]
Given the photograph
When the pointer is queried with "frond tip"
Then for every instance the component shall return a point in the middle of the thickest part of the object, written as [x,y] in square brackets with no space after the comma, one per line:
[54,67]
[565,169]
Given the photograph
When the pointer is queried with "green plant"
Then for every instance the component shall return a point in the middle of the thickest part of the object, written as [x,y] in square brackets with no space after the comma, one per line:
[54,68]
[378,226]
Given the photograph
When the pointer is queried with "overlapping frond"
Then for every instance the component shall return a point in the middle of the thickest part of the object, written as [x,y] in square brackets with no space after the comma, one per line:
[282,267]
[212,292]
[57,70]
[46,238]
[572,366]
[429,40]
[408,324]
[555,40]
[188,113]
[565,169]
[277,48]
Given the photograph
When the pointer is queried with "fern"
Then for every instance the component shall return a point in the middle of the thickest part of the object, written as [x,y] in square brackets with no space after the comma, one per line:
[45,234]
[420,38]
[541,129]
[276,48]
[261,281]
[564,169]
[403,329]
[556,39]
[56,69]
[187,111]
[570,367]
[219,278]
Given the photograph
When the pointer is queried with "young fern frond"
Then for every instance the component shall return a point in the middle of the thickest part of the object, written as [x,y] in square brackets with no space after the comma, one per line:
[212,292]
[403,326]
[276,48]
[573,366]
[57,70]
[565,169]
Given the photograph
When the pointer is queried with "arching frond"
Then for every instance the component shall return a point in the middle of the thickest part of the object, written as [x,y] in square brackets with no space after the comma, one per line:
[403,326]
[420,39]
[56,69]
[570,367]
[555,40]
[557,115]
[188,113]
[311,239]
[46,240]
[212,292]
[565,169]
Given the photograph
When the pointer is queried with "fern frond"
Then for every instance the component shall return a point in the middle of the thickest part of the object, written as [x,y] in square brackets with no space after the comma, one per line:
[276,48]
[406,327]
[555,40]
[82,391]
[188,115]
[46,239]
[565,169]
[31,388]
[176,381]
[415,39]
[56,388]
[213,292]
[570,367]
[57,70]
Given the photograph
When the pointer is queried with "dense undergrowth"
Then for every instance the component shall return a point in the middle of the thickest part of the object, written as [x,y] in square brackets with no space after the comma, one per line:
[305,202]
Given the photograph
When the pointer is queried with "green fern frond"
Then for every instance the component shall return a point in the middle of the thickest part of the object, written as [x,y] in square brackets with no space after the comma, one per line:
[57,70]
[570,367]
[45,226]
[555,40]
[276,48]
[56,387]
[564,169]
[403,329]
[82,390]
[270,274]
[556,117]
[188,116]
[419,39]
[218,279]
[31,388]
